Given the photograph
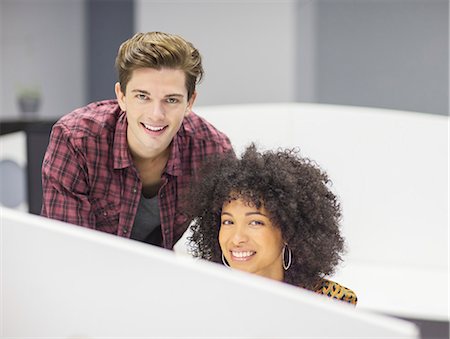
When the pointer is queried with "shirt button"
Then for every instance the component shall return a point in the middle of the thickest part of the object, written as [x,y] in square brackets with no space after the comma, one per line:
[105,213]
[134,189]
[166,231]
[125,230]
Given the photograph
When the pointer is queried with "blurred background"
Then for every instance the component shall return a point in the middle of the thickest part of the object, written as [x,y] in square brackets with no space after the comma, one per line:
[57,55]
[377,53]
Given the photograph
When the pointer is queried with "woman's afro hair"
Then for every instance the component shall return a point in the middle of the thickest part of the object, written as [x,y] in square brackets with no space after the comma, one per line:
[293,190]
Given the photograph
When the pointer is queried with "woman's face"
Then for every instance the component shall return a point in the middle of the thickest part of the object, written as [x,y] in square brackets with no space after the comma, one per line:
[249,240]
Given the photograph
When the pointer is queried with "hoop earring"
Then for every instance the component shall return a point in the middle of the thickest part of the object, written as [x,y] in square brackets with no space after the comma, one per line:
[225,262]
[283,255]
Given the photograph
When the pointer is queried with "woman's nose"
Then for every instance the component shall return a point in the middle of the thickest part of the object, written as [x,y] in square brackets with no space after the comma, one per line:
[239,235]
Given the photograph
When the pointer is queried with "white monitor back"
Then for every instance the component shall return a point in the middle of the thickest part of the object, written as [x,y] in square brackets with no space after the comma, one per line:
[66,281]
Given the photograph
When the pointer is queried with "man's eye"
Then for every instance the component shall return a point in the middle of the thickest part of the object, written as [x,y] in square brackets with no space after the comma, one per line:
[172,100]
[142,96]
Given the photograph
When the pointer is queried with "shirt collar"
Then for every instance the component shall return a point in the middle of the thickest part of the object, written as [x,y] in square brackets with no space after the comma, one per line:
[122,157]
[179,142]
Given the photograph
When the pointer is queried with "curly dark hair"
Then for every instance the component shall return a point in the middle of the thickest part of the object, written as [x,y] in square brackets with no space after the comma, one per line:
[294,191]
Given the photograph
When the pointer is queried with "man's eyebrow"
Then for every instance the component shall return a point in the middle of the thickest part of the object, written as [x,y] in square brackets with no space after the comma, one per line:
[174,95]
[148,93]
[140,91]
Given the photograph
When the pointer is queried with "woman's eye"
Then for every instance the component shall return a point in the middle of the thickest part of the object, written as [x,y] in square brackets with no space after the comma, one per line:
[256,223]
[227,222]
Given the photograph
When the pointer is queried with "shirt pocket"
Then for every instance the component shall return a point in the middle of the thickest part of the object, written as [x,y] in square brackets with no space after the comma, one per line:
[106,216]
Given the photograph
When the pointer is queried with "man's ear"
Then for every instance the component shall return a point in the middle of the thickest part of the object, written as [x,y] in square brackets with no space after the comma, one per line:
[191,103]
[120,96]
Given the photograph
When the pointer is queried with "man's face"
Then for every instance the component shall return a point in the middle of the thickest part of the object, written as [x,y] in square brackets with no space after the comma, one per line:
[156,104]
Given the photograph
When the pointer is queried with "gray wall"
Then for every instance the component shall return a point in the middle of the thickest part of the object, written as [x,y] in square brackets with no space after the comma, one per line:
[42,45]
[109,23]
[388,54]
[248,46]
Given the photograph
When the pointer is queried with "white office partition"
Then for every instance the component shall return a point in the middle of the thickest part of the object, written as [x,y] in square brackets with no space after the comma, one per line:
[65,281]
[390,170]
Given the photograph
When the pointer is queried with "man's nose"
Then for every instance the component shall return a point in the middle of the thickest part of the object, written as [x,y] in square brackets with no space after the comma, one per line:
[157,110]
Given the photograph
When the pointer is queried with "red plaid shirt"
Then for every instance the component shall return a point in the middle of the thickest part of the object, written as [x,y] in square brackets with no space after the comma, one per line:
[89,178]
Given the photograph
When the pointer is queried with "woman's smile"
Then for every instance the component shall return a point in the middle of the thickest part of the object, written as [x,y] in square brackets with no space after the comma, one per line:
[237,255]
[249,241]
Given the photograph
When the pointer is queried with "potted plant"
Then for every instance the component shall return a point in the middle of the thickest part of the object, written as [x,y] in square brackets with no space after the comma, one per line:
[29,99]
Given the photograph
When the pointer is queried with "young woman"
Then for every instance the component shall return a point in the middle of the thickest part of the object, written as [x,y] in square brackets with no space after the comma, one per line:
[271,214]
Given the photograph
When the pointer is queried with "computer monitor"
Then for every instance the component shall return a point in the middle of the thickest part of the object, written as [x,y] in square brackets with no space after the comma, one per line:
[65,281]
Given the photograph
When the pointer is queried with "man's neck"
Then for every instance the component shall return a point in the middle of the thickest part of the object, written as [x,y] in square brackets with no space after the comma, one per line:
[151,169]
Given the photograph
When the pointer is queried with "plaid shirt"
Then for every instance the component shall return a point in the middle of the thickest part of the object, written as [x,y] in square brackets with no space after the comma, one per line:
[89,178]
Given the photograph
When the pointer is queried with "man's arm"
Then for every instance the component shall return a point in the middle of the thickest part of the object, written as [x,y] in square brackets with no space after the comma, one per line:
[64,181]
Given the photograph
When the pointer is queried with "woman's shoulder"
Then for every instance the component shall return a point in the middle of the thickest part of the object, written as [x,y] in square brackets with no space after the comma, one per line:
[334,290]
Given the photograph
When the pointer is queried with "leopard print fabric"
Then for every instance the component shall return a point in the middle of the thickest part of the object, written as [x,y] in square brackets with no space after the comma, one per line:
[334,290]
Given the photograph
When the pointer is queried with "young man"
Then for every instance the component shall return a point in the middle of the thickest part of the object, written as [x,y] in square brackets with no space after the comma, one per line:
[123,166]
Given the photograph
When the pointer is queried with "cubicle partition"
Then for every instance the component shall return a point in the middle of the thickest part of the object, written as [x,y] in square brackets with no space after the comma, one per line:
[390,170]
[65,281]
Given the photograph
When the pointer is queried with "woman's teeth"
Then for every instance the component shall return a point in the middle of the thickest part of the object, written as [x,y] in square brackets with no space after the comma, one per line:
[241,254]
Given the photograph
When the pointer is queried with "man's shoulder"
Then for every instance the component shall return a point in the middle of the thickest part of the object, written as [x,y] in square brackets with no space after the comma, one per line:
[196,140]
[93,118]
[197,127]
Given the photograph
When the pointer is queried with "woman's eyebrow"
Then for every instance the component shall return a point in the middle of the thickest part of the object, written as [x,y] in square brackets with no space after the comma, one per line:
[247,214]
[257,213]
